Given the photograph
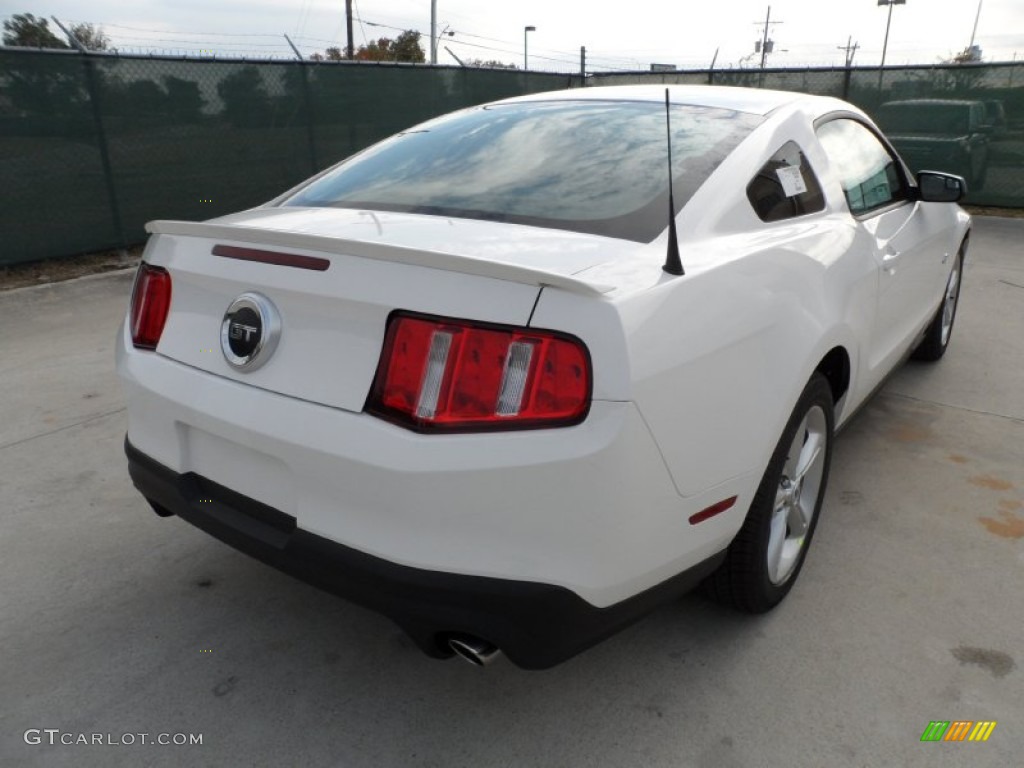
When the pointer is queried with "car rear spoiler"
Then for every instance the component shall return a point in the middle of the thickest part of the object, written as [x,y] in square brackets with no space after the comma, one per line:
[401,254]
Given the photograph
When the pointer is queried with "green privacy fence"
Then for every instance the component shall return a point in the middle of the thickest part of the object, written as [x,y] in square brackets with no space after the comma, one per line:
[964,118]
[94,146]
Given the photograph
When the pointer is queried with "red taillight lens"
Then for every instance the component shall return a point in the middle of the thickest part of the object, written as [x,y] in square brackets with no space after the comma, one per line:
[437,374]
[151,299]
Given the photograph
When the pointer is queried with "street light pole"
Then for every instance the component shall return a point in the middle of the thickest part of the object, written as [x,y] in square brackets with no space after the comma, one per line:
[433,31]
[885,45]
[526,61]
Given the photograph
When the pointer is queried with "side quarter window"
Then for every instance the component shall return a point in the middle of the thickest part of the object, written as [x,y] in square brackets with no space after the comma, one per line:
[785,186]
[869,175]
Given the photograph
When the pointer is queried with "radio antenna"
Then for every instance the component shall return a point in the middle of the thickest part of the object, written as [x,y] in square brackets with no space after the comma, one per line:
[673,265]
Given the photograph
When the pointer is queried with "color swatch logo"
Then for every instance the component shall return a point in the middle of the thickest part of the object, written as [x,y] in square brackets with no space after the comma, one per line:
[958,730]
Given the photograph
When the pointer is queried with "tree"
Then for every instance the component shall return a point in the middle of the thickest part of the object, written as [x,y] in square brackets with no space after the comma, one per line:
[334,53]
[246,101]
[92,38]
[490,64]
[405,47]
[144,99]
[24,29]
[27,30]
[375,50]
[970,55]
[184,101]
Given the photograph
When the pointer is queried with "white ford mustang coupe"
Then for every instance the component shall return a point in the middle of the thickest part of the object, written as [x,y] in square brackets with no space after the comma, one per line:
[517,375]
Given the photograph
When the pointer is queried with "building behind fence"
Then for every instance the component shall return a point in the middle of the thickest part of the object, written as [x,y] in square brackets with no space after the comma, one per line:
[93,146]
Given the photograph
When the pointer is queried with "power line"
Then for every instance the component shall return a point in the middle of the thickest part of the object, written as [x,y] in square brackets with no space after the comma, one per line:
[573,62]
[355,6]
[183,32]
[199,42]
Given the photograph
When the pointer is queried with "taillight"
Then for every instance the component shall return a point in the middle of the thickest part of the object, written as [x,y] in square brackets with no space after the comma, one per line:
[438,374]
[151,299]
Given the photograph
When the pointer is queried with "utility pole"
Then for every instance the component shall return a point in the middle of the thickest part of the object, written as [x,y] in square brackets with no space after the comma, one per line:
[764,41]
[851,50]
[349,51]
[583,64]
[764,45]
[526,31]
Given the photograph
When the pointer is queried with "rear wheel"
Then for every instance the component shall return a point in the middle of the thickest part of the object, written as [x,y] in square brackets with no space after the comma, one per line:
[936,338]
[767,554]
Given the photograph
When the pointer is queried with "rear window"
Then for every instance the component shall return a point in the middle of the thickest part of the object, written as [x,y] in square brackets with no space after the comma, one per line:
[785,187]
[587,166]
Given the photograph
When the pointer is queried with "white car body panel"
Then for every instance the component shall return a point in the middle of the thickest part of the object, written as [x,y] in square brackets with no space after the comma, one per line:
[347,233]
[694,376]
[399,495]
[345,308]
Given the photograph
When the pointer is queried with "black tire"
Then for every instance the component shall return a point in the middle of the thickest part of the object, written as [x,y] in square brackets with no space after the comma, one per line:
[936,338]
[744,580]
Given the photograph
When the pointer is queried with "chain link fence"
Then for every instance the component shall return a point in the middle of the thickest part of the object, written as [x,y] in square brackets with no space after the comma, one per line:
[966,119]
[94,146]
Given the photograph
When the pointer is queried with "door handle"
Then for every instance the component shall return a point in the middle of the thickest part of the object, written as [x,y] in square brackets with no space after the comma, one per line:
[889,258]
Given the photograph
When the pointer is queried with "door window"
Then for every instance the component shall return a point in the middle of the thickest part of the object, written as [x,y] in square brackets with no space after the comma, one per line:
[867,172]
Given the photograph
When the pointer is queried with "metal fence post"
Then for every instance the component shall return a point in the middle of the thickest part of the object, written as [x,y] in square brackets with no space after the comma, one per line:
[101,139]
[309,117]
[309,105]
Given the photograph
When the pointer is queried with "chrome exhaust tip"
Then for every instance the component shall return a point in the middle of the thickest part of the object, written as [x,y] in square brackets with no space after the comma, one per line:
[477,652]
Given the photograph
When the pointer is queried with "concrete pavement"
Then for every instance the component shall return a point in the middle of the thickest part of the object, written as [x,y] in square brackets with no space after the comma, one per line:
[910,608]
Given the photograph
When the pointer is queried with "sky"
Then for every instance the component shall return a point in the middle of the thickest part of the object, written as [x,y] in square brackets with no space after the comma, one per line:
[618,36]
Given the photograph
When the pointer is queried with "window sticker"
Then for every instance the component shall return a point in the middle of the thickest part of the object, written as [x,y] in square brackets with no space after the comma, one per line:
[792,181]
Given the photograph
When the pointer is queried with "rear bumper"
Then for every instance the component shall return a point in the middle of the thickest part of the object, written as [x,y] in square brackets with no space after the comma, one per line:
[536,625]
[590,508]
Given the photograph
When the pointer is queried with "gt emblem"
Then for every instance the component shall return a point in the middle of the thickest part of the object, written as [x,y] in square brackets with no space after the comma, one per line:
[249,331]
[239,331]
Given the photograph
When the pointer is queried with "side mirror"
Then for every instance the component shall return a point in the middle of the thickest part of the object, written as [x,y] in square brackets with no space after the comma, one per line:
[935,187]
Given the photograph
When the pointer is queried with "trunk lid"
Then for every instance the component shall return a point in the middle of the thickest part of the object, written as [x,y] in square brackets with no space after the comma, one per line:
[332,322]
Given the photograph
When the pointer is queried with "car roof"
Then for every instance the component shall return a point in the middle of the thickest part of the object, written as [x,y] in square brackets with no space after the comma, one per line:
[758,101]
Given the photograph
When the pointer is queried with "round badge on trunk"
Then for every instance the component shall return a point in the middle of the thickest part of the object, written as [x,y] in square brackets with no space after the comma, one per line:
[249,331]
